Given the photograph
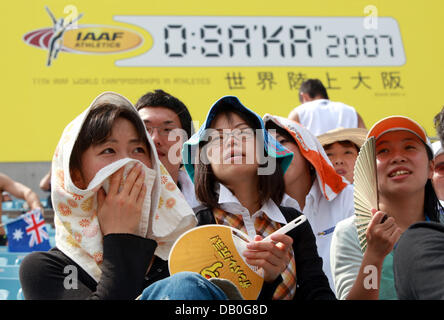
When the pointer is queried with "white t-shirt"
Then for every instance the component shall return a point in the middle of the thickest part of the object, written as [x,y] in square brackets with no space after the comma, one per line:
[323,215]
[322,115]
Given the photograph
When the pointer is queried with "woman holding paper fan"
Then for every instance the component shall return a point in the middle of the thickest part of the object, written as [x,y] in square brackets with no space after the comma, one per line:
[237,169]
[117,213]
[401,177]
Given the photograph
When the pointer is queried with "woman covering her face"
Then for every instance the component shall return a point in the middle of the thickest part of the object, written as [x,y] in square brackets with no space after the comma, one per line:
[237,169]
[404,165]
[312,185]
[117,210]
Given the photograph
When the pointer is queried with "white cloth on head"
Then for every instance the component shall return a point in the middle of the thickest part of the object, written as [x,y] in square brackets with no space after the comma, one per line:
[165,215]
[322,115]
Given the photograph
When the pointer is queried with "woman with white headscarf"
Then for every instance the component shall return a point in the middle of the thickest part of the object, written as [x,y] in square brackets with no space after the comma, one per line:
[117,212]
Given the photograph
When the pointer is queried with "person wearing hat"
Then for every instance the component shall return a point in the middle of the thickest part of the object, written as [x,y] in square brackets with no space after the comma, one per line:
[342,146]
[169,124]
[117,215]
[237,169]
[404,168]
[312,185]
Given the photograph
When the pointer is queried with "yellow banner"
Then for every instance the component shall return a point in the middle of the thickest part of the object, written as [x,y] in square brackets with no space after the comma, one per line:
[383,58]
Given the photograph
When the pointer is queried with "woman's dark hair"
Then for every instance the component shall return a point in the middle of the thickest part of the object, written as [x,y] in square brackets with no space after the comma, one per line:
[160,98]
[270,186]
[438,121]
[97,128]
[432,205]
[313,87]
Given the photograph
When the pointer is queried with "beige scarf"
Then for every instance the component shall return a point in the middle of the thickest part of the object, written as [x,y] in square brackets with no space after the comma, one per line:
[165,215]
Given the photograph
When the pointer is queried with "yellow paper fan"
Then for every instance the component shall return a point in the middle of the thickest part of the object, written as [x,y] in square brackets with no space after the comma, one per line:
[365,189]
[215,251]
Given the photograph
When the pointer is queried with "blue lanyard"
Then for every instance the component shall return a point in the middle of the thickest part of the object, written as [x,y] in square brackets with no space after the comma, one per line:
[325,232]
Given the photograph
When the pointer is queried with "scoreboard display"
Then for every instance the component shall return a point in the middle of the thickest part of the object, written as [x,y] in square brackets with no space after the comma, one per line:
[383,58]
[267,41]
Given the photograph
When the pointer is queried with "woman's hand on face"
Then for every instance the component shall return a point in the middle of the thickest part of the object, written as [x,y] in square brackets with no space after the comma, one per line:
[382,235]
[272,256]
[119,211]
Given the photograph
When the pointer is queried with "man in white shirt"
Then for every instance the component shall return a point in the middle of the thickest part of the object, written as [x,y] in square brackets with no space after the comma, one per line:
[319,114]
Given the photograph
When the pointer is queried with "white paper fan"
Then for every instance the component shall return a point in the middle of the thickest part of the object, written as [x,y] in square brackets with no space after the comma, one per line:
[365,189]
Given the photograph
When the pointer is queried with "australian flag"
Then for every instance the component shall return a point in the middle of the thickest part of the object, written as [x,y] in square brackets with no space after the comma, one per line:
[28,233]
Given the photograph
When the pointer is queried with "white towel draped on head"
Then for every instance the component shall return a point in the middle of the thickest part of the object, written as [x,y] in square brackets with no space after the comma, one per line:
[165,214]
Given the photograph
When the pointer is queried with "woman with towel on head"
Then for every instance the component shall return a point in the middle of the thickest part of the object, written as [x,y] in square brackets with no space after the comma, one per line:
[117,214]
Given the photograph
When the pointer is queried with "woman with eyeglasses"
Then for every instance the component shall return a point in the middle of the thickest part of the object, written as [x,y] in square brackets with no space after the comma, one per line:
[237,168]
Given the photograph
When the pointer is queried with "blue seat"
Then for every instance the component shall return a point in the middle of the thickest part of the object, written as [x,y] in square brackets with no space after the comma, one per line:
[5,218]
[9,271]
[20,204]
[10,289]
[14,258]
[50,229]
[44,202]
[8,205]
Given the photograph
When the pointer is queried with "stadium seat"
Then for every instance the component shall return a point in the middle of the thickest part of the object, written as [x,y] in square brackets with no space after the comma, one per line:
[10,289]
[8,205]
[13,258]
[9,271]
[44,202]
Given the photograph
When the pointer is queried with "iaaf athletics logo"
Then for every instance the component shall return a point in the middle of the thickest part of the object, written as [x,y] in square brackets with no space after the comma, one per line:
[67,36]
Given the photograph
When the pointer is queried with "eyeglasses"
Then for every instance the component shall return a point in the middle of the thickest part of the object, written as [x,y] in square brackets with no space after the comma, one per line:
[162,131]
[218,138]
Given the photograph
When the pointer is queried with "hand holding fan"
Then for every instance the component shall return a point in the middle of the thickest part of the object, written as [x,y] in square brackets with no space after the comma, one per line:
[365,189]
[215,251]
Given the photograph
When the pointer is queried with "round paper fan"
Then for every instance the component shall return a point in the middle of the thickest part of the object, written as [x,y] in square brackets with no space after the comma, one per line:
[215,251]
[365,189]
